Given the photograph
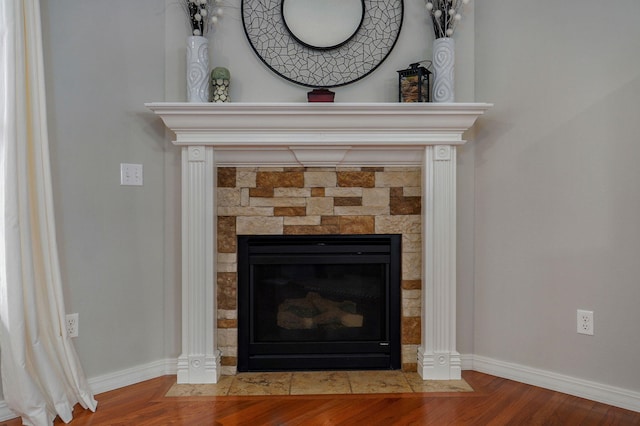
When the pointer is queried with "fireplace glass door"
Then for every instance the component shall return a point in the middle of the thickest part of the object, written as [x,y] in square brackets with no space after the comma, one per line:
[318,302]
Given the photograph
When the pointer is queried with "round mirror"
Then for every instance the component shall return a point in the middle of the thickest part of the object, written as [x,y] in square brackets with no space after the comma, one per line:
[323,67]
[323,24]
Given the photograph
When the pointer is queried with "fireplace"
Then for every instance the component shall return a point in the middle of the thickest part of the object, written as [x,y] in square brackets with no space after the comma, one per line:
[318,302]
[318,135]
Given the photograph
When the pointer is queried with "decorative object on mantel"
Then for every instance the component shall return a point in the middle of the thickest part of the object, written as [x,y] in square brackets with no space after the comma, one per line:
[325,63]
[219,85]
[444,55]
[197,69]
[202,15]
[320,95]
[445,15]
[413,84]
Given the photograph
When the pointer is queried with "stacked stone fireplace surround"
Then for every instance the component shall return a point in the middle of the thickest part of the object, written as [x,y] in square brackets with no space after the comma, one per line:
[307,142]
[318,200]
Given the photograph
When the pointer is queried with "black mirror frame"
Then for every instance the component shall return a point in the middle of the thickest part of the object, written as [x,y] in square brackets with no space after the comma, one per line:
[308,66]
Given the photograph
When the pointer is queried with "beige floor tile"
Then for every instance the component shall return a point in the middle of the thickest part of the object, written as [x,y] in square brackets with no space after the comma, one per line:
[261,384]
[378,382]
[419,385]
[218,389]
[320,383]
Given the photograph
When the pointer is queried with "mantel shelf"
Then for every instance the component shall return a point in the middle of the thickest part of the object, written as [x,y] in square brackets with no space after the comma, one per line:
[318,134]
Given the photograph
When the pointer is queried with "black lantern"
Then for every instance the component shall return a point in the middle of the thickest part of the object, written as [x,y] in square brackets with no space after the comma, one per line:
[413,84]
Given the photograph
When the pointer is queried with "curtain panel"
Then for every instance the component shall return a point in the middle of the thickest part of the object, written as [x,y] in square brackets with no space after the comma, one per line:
[41,374]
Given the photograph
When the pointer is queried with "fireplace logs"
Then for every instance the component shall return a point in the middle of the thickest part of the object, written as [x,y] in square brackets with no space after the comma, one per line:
[314,310]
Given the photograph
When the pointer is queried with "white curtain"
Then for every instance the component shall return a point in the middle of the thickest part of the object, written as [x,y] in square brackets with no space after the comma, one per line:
[41,374]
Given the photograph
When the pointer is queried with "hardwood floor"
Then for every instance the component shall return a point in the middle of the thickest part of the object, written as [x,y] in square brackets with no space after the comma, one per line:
[495,401]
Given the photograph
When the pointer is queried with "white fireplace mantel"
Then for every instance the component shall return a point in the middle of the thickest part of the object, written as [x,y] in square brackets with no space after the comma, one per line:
[318,134]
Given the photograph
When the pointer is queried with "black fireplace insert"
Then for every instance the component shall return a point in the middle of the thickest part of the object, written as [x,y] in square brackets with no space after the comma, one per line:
[318,302]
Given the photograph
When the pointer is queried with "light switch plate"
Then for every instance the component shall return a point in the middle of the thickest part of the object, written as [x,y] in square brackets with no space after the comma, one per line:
[130,174]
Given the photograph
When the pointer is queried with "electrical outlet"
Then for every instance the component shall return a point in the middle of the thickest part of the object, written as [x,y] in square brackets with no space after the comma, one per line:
[131,174]
[72,325]
[585,322]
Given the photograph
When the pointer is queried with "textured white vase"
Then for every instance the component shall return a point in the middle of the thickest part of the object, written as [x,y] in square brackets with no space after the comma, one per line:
[443,66]
[197,69]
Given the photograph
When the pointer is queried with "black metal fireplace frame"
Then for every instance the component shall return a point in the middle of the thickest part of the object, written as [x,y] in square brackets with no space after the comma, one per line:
[309,355]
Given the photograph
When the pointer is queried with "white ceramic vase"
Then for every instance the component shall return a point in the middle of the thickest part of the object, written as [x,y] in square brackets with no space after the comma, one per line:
[197,69]
[444,53]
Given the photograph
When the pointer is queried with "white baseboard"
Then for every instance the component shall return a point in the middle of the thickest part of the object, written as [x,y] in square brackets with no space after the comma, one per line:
[116,380]
[467,361]
[133,375]
[617,397]
[5,413]
[599,392]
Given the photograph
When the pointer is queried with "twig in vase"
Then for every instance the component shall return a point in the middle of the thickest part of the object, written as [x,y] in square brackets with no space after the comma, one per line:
[445,15]
[202,15]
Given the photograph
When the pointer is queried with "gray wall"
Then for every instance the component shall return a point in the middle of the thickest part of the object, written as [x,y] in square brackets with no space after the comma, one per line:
[557,195]
[103,61]
[547,184]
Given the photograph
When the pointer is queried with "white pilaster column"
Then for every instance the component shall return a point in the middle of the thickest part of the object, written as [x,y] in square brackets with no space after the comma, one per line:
[437,355]
[200,359]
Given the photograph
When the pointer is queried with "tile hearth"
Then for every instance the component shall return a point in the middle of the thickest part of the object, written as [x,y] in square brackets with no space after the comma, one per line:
[319,383]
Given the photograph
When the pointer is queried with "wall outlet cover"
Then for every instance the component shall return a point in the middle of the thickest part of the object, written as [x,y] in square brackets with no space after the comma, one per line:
[585,322]
[72,325]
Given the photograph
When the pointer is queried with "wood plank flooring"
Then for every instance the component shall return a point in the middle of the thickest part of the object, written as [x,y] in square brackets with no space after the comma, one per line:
[495,401]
